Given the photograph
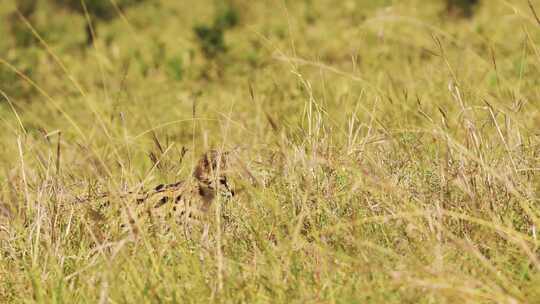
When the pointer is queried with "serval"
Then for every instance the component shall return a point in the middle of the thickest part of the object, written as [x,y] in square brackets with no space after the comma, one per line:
[183,203]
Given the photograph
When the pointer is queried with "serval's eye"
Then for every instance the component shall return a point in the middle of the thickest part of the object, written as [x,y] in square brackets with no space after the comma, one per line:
[209,163]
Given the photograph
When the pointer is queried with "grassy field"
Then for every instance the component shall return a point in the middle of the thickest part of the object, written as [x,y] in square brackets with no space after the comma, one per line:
[386,151]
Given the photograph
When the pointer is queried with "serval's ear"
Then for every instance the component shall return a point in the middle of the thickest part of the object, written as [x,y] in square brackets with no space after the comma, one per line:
[210,163]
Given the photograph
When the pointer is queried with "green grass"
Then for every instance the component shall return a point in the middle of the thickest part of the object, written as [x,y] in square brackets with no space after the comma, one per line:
[394,153]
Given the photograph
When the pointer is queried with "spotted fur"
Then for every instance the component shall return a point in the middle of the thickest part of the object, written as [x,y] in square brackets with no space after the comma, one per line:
[184,202]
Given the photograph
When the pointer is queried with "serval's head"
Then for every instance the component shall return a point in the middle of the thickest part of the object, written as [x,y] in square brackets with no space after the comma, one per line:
[211,174]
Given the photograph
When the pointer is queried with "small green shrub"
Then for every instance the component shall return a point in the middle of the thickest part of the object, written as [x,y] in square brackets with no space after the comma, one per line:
[212,37]
[461,8]
[97,10]
[226,18]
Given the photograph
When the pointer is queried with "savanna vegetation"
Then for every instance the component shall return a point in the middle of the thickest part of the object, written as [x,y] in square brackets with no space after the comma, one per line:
[383,151]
